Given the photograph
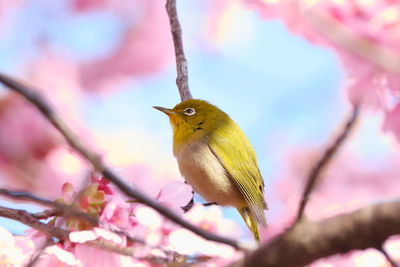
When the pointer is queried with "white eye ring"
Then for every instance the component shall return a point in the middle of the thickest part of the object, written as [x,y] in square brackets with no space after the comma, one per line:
[189,111]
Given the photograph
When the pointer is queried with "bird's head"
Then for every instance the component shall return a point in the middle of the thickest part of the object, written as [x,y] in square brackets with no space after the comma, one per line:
[194,118]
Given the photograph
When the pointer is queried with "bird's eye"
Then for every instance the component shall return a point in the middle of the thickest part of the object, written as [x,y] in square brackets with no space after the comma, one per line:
[189,111]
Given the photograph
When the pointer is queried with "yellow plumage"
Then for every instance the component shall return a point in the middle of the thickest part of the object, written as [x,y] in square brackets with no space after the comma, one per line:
[217,160]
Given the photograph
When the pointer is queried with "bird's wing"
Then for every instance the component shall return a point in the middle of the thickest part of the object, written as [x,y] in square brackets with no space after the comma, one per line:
[231,146]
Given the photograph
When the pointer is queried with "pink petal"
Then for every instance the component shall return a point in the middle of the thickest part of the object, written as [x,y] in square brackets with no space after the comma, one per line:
[82,236]
[107,235]
[148,217]
[116,215]
[61,255]
[91,256]
[175,194]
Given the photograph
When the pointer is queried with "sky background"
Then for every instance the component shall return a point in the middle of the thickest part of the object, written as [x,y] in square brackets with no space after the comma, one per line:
[285,93]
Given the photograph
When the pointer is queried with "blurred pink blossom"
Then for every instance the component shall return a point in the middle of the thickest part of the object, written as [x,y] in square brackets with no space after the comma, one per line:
[147,180]
[176,194]
[56,77]
[162,238]
[145,48]
[346,185]
[117,216]
[365,25]
[10,253]
[91,256]
[141,221]
[31,153]
[87,5]
[24,132]
[57,256]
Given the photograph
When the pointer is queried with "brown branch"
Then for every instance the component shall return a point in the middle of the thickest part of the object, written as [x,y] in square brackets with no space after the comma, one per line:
[47,214]
[39,102]
[181,63]
[63,209]
[308,241]
[60,210]
[316,171]
[28,219]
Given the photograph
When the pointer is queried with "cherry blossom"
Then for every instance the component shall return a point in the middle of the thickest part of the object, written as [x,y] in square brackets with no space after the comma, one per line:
[363,34]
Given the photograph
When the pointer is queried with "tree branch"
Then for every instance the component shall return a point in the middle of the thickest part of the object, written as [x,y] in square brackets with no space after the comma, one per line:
[316,171]
[28,219]
[61,208]
[181,63]
[47,214]
[308,241]
[39,102]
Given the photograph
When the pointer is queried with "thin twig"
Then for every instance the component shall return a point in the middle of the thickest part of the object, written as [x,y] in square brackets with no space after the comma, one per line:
[324,161]
[388,257]
[38,101]
[64,209]
[26,218]
[181,63]
[59,210]
[47,214]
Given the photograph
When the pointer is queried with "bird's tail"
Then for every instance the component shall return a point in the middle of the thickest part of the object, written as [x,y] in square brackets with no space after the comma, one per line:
[250,222]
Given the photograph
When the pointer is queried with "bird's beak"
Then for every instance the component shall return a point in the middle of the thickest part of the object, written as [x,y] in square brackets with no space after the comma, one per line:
[167,111]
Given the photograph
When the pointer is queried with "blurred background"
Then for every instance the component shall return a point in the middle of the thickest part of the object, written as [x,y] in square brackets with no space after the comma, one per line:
[104,64]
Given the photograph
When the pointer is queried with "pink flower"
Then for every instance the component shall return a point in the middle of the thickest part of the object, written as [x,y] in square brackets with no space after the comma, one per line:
[104,184]
[10,253]
[141,221]
[57,256]
[117,216]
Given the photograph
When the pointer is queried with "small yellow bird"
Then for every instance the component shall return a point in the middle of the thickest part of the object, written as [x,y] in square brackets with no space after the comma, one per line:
[217,160]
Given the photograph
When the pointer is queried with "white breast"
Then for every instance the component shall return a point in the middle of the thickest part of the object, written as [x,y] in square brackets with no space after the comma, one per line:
[203,171]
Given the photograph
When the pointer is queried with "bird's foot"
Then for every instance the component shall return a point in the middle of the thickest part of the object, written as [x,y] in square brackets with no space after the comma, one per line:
[188,206]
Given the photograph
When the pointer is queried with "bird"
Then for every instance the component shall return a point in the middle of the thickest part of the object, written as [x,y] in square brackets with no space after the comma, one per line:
[216,158]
